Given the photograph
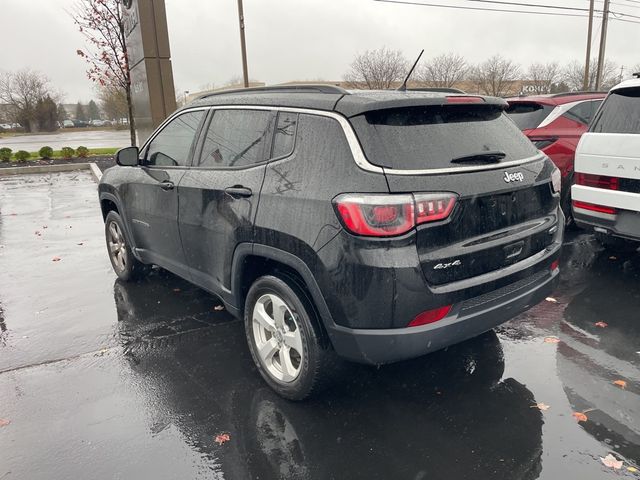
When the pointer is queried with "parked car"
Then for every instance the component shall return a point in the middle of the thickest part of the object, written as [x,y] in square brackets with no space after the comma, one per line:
[606,194]
[6,126]
[555,123]
[80,123]
[99,123]
[375,226]
[68,124]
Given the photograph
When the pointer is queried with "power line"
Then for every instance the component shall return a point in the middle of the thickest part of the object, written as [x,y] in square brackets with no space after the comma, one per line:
[505,10]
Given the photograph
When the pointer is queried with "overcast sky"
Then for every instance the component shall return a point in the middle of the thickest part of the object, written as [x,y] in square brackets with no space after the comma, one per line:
[309,39]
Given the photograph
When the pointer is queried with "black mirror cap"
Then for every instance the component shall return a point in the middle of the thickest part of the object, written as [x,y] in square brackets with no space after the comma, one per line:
[127,157]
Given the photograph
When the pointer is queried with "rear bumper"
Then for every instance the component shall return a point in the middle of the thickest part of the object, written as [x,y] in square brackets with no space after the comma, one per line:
[466,320]
[624,224]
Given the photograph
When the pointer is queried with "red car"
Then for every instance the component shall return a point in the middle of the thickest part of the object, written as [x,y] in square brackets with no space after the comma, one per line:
[555,123]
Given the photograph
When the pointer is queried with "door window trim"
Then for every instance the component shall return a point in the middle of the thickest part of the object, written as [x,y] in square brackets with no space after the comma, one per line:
[354,144]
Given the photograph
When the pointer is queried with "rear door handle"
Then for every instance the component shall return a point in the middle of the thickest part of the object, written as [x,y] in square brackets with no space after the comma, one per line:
[238,191]
[167,186]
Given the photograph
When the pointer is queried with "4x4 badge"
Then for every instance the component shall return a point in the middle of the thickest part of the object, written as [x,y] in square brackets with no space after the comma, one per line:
[513,177]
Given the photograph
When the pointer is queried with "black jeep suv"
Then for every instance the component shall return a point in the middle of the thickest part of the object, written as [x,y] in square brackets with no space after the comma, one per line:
[375,226]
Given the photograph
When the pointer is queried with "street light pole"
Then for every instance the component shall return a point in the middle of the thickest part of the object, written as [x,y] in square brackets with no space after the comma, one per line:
[603,43]
[587,62]
[243,45]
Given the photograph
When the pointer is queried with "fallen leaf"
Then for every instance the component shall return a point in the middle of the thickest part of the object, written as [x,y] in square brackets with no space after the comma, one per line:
[4,422]
[218,308]
[621,383]
[612,462]
[38,233]
[551,340]
[541,406]
[601,324]
[44,226]
[632,469]
[551,299]
[222,438]
[579,416]
[81,243]
[56,259]
[176,290]
[613,258]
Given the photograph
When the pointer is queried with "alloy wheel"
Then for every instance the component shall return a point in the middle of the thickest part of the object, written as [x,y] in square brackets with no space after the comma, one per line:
[117,246]
[277,338]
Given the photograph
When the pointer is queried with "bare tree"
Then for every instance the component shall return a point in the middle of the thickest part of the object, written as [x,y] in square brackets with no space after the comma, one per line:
[543,76]
[445,70]
[24,91]
[376,69]
[113,101]
[496,76]
[102,24]
[573,75]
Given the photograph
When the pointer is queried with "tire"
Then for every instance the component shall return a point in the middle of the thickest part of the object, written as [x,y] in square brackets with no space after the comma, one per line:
[287,349]
[126,266]
[617,244]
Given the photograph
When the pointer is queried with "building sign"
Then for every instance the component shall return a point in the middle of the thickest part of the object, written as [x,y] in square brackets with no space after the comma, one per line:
[152,87]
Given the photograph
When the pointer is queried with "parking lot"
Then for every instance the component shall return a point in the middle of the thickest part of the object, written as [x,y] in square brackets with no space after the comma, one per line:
[107,380]
[60,139]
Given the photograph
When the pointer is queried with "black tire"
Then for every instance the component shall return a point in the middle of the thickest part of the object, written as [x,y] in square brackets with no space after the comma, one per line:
[316,363]
[617,244]
[126,266]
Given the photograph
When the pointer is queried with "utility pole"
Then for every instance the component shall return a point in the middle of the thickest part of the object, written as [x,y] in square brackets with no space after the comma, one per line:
[603,43]
[587,62]
[243,45]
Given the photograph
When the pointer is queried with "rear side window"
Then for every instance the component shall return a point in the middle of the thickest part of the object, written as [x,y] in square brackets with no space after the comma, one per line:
[583,112]
[528,115]
[285,135]
[236,138]
[430,137]
[620,112]
[172,146]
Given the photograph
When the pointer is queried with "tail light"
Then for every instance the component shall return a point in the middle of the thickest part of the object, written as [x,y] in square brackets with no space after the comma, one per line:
[543,142]
[464,99]
[430,316]
[389,215]
[594,208]
[597,181]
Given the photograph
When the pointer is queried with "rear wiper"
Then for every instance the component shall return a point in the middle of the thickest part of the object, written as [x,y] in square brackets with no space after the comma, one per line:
[481,157]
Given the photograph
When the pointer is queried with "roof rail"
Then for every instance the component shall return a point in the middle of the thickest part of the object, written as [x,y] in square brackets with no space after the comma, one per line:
[293,88]
[637,74]
[566,94]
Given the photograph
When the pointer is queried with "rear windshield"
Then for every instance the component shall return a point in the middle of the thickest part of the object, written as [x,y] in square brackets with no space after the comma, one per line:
[620,112]
[528,115]
[431,137]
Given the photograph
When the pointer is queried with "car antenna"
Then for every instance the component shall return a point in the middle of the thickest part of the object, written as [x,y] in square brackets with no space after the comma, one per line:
[403,87]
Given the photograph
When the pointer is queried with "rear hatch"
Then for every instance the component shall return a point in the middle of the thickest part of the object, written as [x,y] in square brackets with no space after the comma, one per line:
[506,204]
[608,156]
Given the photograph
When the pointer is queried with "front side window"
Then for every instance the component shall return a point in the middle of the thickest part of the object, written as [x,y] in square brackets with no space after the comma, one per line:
[172,146]
[620,112]
[237,138]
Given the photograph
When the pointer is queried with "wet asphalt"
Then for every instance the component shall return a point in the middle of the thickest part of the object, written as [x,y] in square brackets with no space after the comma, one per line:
[105,380]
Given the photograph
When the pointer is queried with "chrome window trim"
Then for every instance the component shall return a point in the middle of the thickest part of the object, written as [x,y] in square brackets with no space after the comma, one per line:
[354,144]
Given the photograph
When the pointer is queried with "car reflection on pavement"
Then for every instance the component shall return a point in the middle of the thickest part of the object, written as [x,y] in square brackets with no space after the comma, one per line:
[448,412]
[591,357]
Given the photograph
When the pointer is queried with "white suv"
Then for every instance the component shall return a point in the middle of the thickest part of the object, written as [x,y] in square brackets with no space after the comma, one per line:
[606,192]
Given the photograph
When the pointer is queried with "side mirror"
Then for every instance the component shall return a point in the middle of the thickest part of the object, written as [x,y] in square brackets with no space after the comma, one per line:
[127,157]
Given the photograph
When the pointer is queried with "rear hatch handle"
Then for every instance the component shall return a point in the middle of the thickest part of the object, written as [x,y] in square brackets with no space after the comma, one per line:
[481,157]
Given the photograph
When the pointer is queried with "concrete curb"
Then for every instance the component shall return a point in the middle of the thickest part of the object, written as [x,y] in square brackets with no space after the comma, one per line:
[66,167]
